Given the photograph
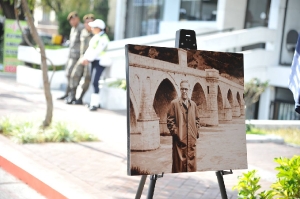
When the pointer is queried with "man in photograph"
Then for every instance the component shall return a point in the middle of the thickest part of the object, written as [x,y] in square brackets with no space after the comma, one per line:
[183,122]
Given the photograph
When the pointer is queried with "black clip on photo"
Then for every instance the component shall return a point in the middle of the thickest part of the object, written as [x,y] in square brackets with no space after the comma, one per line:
[186,39]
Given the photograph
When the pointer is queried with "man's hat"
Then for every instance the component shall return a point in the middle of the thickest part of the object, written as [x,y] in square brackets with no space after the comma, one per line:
[72,14]
[88,16]
[98,23]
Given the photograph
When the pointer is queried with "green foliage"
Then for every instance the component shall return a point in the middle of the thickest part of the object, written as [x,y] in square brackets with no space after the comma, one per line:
[290,135]
[1,48]
[54,47]
[256,131]
[253,89]
[50,68]
[248,186]
[29,132]
[287,184]
[249,127]
[121,83]
[102,7]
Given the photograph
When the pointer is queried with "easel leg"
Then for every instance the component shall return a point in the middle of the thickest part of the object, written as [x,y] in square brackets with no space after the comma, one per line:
[141,187]
[221,182]
[153,179]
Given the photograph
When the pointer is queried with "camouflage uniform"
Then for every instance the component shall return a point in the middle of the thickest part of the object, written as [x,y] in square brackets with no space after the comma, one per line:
[79,69]
[74,54]
[74,48]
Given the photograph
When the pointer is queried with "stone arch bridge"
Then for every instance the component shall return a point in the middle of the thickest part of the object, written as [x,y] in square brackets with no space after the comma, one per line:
[154,83]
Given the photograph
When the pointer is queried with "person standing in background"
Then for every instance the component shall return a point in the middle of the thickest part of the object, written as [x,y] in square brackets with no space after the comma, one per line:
[74,55]
[79,69]
[95,52]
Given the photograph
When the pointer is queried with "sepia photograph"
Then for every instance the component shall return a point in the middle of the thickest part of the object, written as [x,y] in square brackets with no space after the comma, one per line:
[186,110]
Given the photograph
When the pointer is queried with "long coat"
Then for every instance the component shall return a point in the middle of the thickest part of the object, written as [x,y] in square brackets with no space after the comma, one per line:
[183,123]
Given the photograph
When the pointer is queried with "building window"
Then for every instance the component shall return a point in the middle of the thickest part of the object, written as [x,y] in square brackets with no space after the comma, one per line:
[198,10]
[283,107]
[143,17]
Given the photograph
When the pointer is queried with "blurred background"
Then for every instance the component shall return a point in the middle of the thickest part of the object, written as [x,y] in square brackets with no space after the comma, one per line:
[264,31]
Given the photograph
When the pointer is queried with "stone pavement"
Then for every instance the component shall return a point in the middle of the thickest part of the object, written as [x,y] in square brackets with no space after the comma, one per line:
[98,169]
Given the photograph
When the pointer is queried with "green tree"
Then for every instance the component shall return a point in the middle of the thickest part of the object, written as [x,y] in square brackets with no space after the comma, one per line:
[63,8]
[253,89]
[49,111]
[7,8]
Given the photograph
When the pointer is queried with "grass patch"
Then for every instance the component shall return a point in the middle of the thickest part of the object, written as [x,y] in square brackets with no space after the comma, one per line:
[31,132]
[256,131]
[289,135]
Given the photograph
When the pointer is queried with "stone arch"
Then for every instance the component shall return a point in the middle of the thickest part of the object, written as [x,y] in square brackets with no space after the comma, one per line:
[241,103]
[230,98]
[164,94]
[228,106]
[132,119]
[133,102]
[198,96]
[238,98]
[161,78]
[221,110]
[236,109]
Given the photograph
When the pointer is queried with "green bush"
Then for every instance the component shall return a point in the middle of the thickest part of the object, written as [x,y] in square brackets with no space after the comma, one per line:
[248,186]
[50,68]
[287,184]
[29,132]
[256,131]
[121,83]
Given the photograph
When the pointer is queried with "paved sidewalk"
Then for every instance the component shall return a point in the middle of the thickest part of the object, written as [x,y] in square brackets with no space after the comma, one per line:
[98,169]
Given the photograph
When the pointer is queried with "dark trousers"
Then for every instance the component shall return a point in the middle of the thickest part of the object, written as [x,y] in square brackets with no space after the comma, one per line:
[99,69]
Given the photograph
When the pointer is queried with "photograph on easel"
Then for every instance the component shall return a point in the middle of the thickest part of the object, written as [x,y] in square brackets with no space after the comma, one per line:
[185,110]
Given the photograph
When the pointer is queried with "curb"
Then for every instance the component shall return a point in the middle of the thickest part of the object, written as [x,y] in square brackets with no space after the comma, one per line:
[40,175]
[253,138]
[29,179]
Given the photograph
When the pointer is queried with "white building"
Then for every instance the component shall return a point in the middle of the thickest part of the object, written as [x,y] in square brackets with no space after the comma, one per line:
[262,30]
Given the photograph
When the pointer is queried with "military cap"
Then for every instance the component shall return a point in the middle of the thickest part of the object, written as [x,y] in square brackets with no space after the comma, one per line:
[72,14]
[88,16]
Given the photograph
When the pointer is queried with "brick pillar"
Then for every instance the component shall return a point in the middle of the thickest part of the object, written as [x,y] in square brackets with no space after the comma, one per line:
[146,108]
[212,79]
[236,110]
[227,111]
[182,57]
[147,122]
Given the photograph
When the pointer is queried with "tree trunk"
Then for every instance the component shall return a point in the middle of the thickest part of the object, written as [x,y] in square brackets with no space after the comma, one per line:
[44,66]
[8,10]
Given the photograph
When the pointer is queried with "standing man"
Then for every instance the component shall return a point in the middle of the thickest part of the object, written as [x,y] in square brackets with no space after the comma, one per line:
[183,121]
[79,69]
[76,29]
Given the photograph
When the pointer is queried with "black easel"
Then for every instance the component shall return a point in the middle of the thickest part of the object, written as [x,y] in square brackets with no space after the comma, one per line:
[184,39]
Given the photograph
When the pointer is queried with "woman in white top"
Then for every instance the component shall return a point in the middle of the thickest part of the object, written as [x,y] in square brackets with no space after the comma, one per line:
[96,50]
